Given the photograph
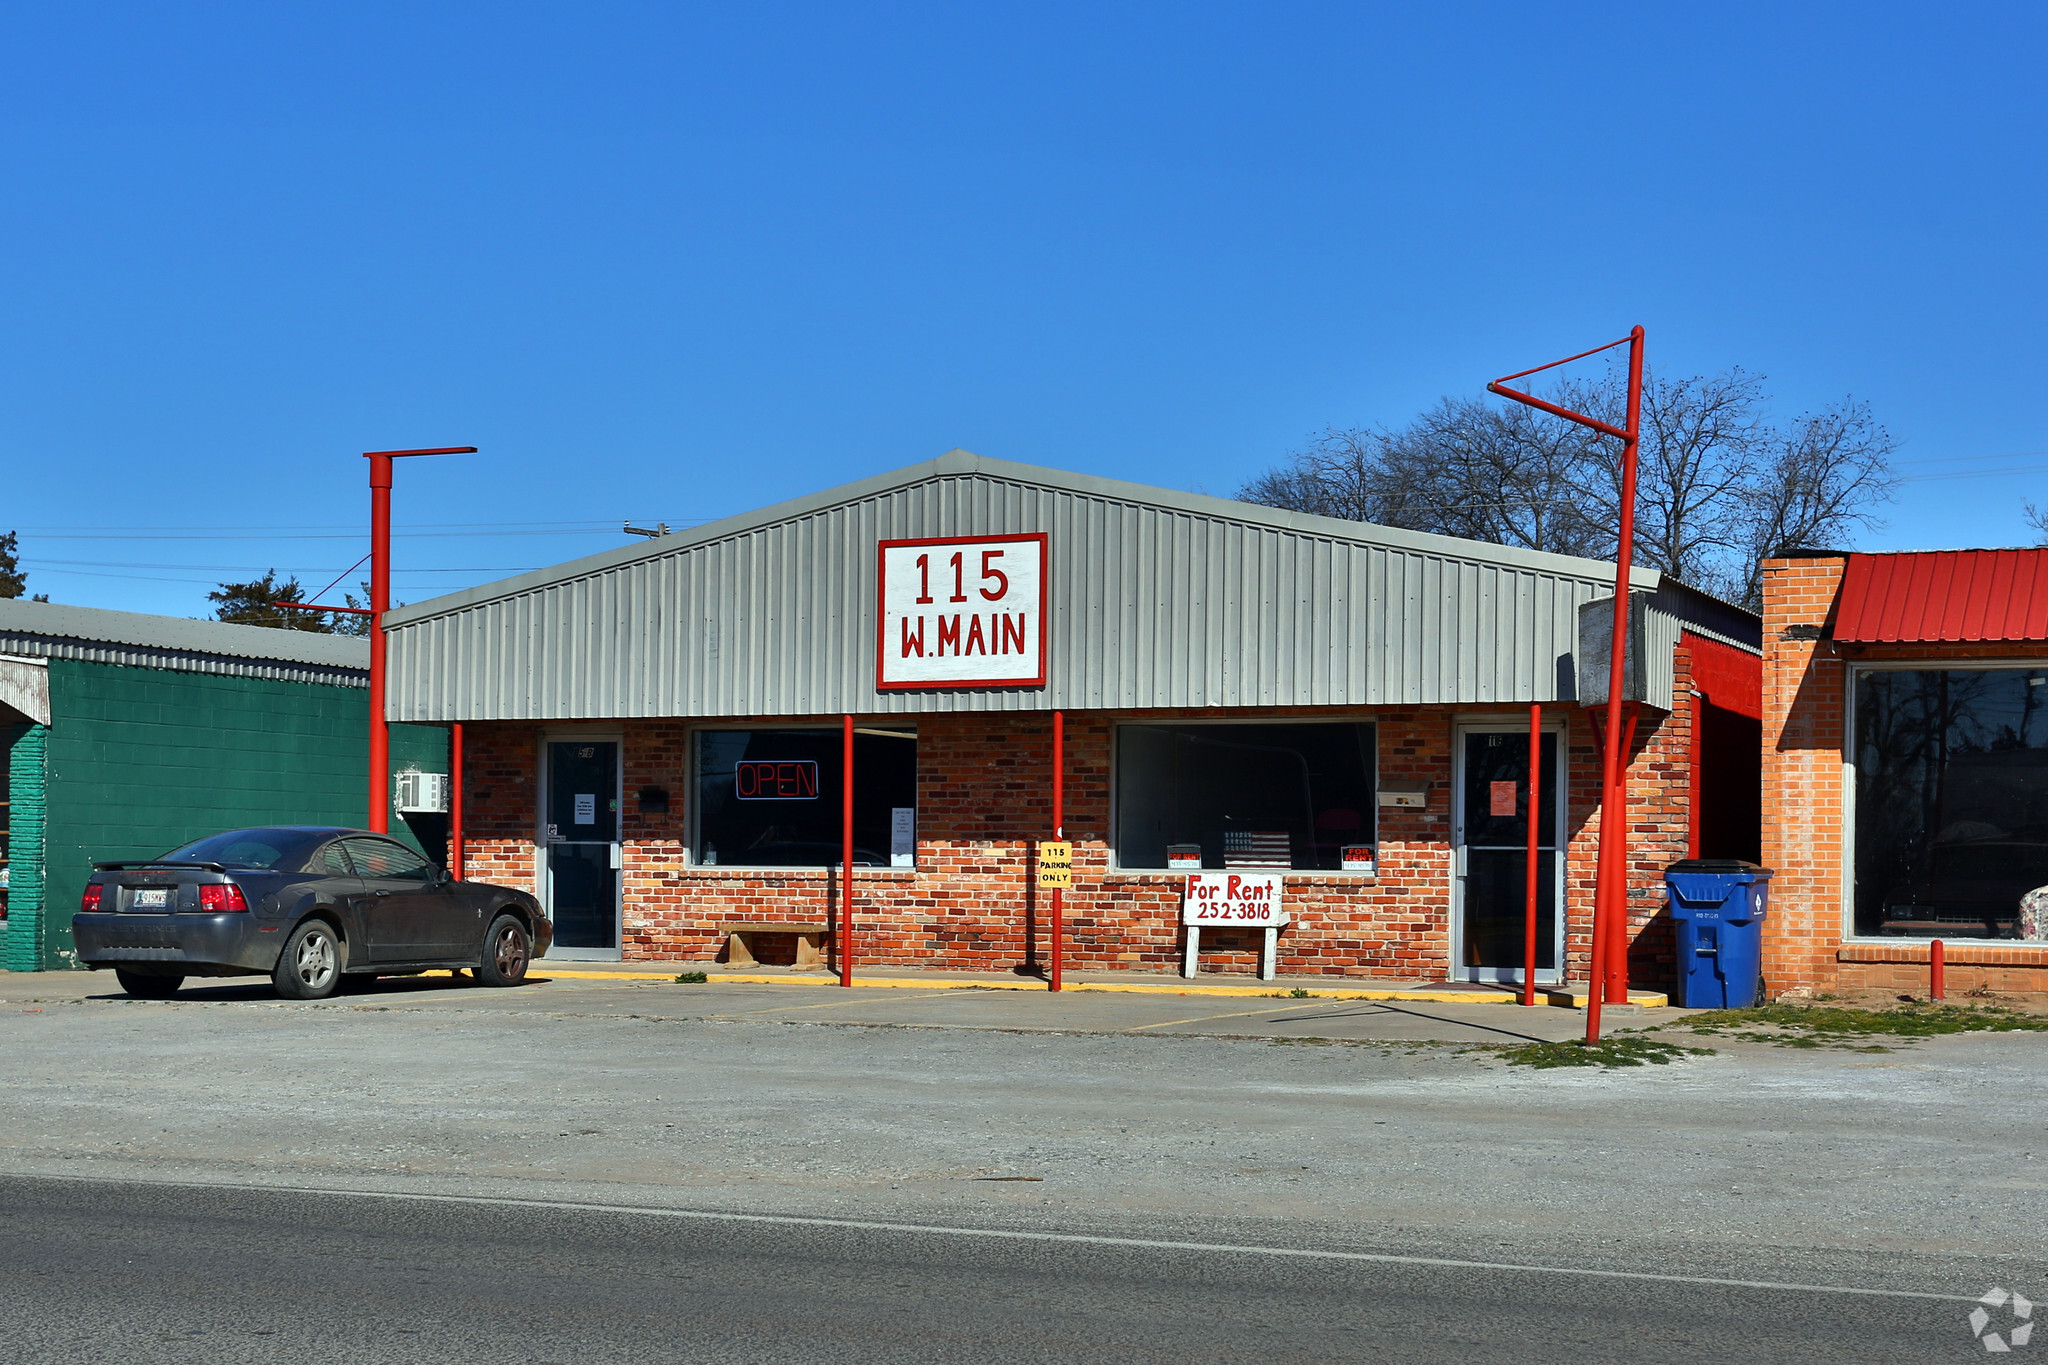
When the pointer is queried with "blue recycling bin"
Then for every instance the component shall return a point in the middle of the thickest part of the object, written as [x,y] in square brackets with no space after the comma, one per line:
[1718,907]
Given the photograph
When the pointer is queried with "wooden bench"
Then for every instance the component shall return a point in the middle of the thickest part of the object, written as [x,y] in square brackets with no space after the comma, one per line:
[810,942]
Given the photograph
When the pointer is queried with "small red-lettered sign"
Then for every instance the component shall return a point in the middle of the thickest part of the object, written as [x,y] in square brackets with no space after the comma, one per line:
[1240,898]
[764,779]
[961,612]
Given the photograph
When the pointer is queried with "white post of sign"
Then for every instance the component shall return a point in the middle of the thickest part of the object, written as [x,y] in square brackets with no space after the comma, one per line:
[1236,900]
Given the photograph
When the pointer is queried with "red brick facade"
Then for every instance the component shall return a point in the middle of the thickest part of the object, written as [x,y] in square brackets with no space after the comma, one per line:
[1807,802]
[984,797]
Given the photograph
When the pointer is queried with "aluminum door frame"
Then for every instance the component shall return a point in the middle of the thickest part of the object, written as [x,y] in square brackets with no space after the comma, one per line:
[1460,732]
[543,846]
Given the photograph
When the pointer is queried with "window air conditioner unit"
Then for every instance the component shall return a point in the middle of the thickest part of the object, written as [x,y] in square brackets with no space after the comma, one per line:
[423,793]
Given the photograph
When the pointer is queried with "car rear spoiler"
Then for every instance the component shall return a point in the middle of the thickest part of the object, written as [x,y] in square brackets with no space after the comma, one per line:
[154,862]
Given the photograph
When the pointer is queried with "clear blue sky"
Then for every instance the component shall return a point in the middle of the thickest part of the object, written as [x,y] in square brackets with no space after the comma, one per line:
[676,262]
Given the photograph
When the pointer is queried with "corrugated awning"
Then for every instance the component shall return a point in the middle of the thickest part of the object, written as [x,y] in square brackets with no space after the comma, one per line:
[1944,595]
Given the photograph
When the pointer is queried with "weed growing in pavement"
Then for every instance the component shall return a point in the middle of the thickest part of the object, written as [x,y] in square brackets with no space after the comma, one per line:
[1835,1026]
[1619,1051]
[692,979]
[1298,993]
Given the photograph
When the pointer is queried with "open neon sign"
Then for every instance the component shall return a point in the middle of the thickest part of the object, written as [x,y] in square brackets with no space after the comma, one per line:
[789,779]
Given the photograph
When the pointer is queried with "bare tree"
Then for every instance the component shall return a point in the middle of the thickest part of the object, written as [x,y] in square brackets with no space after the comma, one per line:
[2037,517]
[1821,478]
[1718,485]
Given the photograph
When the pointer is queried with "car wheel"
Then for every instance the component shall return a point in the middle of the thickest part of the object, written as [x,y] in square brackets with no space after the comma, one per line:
[507,951]
[310,966]
[145,987]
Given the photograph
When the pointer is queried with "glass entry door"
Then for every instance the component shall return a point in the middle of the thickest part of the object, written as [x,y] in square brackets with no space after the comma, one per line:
[1490,846]
[580,821]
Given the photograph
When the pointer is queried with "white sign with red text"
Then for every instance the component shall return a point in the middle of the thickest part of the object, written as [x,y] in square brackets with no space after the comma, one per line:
[964,611]
[1233,898]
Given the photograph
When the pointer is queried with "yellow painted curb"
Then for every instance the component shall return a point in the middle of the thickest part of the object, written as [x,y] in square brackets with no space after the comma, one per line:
[1505,997]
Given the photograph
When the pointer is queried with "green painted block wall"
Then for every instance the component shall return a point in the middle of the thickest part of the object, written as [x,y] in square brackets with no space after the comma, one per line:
[21,948]
[142,760]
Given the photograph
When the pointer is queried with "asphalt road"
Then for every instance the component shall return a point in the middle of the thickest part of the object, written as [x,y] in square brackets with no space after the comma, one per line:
[298,1182]
[100,1271]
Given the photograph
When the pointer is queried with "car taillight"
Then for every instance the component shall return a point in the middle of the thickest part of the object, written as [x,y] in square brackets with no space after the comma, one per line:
[89,903]
[216,897]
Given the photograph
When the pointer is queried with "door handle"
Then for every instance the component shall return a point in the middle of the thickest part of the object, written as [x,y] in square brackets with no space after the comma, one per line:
[383,893]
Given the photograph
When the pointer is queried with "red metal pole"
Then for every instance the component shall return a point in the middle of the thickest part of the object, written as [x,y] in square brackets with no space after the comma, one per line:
[1610,901]
[1059,831]
[846,848]
[1937,970]
[455,867]
[380,602]
[1535,827]
[1617,893]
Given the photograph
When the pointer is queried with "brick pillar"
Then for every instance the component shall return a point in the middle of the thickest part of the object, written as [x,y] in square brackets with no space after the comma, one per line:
[1803,750]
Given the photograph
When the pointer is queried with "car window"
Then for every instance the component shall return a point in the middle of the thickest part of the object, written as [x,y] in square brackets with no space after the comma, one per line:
[334,861]
[383,858]
[264,848]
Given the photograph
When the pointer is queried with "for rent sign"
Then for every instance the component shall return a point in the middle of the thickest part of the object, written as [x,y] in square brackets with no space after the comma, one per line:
[1242,898]
[967,611]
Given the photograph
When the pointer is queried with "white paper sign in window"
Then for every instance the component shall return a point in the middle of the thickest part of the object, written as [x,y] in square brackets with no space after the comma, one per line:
[960,612]
[903,836]
[586,808]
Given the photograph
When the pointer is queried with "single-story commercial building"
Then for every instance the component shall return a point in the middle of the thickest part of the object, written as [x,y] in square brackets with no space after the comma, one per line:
[653,734]
[127,735]
[1906,768]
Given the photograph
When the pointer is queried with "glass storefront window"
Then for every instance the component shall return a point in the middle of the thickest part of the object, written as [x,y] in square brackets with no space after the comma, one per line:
[771,798]
[1951,800]
[1245,796]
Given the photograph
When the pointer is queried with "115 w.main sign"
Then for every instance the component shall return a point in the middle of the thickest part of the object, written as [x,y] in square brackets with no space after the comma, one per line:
[965,611]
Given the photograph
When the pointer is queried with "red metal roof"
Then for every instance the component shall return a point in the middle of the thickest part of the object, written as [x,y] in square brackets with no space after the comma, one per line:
[1947,595]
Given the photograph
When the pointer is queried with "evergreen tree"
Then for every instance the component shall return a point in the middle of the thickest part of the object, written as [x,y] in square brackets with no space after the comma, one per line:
[255,604]
[13,582]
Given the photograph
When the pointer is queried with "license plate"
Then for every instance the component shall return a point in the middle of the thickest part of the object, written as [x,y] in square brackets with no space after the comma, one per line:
[152,897]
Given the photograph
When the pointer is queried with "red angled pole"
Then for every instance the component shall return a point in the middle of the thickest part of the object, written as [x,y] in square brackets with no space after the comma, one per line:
[1059,831]
[455,868]
[380,602]
[846,850]
[1614,820]
[1609,973]
[1535,839]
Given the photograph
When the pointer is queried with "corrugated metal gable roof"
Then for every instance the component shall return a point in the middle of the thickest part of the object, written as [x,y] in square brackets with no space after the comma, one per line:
[1158,599]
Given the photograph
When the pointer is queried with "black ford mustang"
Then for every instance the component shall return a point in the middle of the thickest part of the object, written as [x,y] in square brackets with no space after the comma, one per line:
[305,904]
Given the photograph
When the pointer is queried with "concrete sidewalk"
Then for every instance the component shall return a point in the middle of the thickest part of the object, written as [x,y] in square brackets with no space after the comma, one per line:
[968,1004]
[1572,995]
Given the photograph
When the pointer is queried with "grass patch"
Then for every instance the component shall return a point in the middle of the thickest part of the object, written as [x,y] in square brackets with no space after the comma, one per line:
[1814,1026]
[1627,1050]
[1298,993]
[692,979]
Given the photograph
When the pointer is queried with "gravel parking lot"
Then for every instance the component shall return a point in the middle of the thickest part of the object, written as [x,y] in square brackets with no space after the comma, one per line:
[1013,1106]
